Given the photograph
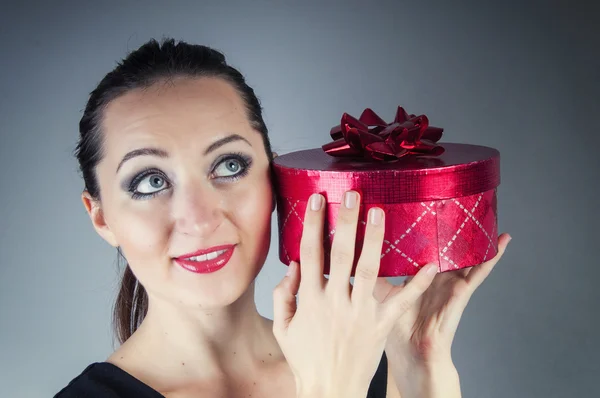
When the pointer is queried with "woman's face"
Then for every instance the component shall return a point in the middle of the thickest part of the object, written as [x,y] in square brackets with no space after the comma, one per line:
[184,172]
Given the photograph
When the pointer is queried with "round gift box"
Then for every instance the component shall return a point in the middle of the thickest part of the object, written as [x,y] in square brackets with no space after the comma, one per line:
[439,209]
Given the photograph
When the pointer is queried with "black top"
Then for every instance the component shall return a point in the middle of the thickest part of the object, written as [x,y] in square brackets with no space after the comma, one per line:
[105,380]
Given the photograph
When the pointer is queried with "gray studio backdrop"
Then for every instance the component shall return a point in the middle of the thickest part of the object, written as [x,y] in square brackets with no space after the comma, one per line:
[520,78]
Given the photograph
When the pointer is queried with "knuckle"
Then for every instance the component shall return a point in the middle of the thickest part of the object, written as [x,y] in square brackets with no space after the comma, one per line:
[346,218]
[372,242]
[367,273]
[372,247]
[341,256]
[403,306]
[309,260]
[311,224]
[308,226]
[308,252]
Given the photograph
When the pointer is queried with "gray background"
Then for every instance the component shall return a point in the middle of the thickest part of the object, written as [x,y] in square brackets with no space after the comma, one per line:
[519,76]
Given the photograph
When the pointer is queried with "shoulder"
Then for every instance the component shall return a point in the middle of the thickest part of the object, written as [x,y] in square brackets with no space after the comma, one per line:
[105,380]
[93,382]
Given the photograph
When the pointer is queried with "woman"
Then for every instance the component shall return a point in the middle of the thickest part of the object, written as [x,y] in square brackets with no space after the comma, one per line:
[176,162]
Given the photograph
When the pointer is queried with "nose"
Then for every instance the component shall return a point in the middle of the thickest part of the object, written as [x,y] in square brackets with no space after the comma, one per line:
[198,211]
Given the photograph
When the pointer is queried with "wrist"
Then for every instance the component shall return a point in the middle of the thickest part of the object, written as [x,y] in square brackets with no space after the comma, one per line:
[439,380]
[436,366]
[430,379]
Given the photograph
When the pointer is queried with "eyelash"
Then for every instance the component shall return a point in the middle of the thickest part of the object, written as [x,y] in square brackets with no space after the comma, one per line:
[138,178]
[243,159]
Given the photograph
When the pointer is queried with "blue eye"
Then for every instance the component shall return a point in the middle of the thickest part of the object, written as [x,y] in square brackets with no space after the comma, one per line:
[231,167]
[228,167]
[148,184]
[151,184]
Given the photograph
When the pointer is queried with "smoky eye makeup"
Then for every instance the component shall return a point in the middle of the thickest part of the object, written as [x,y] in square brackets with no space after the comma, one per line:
[230,167]
[146,183]
[152,181]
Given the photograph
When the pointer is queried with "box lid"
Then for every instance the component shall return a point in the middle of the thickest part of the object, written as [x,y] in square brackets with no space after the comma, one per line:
[462,170]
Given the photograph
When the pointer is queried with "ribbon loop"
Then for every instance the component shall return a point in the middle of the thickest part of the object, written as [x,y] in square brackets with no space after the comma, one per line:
[371,138]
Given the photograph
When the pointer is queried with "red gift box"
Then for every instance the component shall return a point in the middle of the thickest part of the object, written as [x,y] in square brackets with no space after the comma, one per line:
[439,199]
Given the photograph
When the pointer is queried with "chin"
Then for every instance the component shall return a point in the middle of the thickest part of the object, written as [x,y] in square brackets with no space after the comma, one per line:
[219,289]
[213,299]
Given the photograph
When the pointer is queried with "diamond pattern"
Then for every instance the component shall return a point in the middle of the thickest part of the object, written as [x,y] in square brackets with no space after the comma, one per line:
[455,233]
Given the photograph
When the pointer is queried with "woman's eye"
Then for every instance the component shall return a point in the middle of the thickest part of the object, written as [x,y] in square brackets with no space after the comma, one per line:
[229,168]
[151,184]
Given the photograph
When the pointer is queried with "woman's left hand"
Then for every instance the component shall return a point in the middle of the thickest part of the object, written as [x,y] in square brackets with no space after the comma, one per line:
[419,347]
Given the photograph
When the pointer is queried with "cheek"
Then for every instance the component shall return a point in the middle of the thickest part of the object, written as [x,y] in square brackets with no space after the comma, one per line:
[252,214]
[141,230]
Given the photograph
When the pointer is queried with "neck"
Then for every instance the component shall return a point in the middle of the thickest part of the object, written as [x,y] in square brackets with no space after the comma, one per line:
[216,340]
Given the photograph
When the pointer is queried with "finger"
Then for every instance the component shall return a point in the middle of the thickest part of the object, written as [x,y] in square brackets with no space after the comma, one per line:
[367,269]
[342,248]
[454,310]
[402,298]
[474,276]
[284,299]
[453,282]
[480,272]
[311,244]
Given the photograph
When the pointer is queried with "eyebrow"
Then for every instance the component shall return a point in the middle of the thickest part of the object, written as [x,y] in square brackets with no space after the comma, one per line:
[161,153]
[143,152]
[226,140]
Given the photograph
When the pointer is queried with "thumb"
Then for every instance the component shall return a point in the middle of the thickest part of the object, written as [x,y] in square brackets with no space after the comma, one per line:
[402,297]
[284,298]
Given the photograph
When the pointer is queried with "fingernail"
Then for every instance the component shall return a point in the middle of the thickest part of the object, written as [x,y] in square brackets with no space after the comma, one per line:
[509,238]
[350,199]
[432,269]
[316,201]
[376,215]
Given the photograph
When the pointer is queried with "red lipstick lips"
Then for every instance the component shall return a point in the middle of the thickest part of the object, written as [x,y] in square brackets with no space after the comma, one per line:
[206,260]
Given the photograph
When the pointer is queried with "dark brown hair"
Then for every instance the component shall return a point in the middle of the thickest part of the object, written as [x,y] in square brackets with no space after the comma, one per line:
[153,62]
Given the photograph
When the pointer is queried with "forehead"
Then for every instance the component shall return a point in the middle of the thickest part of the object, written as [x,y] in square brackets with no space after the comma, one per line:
[175,112]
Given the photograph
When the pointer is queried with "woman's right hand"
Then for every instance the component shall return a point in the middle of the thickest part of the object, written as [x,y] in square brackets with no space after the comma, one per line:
[334,338]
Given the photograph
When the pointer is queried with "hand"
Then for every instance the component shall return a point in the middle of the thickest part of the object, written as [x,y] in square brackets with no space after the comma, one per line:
[333,339]
[421,339]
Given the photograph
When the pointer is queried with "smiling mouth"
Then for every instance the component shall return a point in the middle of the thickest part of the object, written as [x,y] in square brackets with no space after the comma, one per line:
[207,256]
[207,262]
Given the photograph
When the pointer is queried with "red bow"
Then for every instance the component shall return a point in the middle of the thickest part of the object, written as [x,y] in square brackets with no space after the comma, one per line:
[372,138]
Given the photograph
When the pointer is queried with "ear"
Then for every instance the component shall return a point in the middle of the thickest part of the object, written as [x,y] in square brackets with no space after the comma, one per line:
[96,214]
